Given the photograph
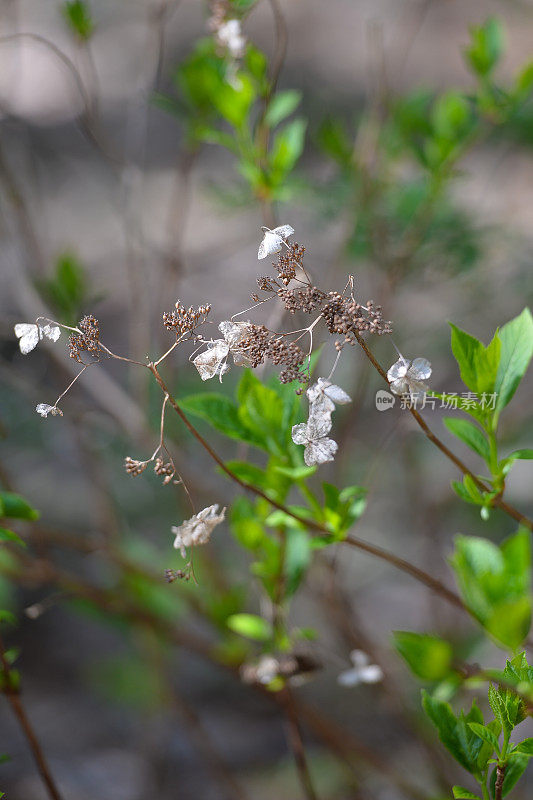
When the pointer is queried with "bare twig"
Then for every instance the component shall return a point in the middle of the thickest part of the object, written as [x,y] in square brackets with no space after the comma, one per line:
[14,700]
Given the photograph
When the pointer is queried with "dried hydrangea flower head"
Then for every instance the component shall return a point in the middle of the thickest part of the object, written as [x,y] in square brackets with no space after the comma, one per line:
[213,361]
[44,409]
[260,344]
[287,262]
[197,529]
[361,672]
[313,434]
[30,334]
[87,339]
[407,377]
[273,240]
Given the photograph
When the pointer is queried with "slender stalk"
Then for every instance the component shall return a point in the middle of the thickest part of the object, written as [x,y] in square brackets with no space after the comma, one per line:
[379,552]
[18,709]
[297,746]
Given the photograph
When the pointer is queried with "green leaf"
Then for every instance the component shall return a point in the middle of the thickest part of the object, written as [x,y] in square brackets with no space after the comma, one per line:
[459,793]
[297,558]
[429,657]
[13,506]
[454,732]
[333,139]
[11,536]
[486,734]
[281,106]
[516,352]
[221,413]
[478,364]
[287,147]
[261,411]
[7,616]
[78,17]
[245,524]
[233,102]
[495,584]
[525,747]
[486,47]
[469,434]
[451,116]
[250,626]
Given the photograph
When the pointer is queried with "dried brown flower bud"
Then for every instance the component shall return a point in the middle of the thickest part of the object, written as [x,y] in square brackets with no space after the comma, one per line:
[87,340]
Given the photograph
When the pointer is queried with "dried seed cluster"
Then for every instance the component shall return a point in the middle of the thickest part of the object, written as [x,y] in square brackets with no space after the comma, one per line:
[261,344]
[165,469]
[288,260]
[218,10]
[185,320]
[345,316]
[134,467]
[306,300]
[87,340]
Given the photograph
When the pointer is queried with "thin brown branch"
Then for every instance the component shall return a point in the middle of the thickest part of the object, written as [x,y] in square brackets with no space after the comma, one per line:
[18,709]
[353,541]
[296,743]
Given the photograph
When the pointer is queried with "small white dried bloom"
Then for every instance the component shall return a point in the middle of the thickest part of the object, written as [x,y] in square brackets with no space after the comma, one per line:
[408,376]
[361,672]
[197,529]
[273,240]
[230,36]
[30,334]
[212,361]
[323,395]
[318,448]
[44,409]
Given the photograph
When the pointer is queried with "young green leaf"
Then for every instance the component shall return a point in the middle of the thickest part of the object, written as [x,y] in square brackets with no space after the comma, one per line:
[478,364]
[13,506]
[470,434]
[460,793]
[429,657]
[516,351]
[78,17]
[281,106]
[10,536]
[250,626]
[486,734]
[486,47]
[221,413]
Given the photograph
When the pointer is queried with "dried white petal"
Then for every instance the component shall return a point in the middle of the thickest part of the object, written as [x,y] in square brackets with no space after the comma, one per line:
[299,433]
[324,388]
[318,424]
[230,35]
[420,369]
[361,672]
[52,332]
[234,333]
[197,530]
[273,240]
[211,361]
[406,377]
[398,370]
[28,333]
[320,451]
[44,409]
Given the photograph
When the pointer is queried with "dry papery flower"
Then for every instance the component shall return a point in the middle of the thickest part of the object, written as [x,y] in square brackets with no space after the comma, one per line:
[295,668]
[197,530]
[30,334]
[361,672]
[313,434]
[213,361]
[407,377]
[274,240]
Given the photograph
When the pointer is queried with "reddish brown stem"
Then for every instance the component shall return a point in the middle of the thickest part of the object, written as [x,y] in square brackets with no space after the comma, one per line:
[379,552]
[18,709]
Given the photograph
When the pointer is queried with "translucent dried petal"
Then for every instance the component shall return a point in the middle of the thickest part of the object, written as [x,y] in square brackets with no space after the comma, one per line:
[361,672]
[349,678]
[398,370]
[28,334]
[371,674]
[197,530]
[299,433]
[211,361]
[52,332]
[337,394]
[319,423]
[400,386]
[44,409]
[359,658]
[420,369]
[319,451]
[273,240]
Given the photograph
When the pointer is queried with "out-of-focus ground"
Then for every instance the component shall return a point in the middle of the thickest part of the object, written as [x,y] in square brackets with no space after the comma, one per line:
[118,225]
